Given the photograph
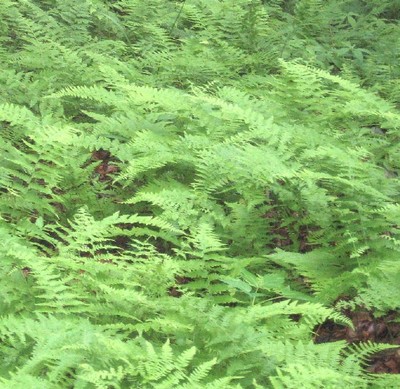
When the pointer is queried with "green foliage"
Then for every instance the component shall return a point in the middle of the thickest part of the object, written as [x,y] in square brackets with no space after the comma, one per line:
[188,188]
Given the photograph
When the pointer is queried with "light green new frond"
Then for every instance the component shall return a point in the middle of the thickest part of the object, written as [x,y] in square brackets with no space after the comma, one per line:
[88,234]
[313,313]
[363,351]
[204,240]
[25,381]
[201,372]
[102,378]
[177,204]
[18,115]
[387,381]
[313,377]
[95,93]
[319,266]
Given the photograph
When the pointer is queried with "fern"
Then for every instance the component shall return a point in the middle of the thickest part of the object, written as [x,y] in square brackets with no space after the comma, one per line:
[188,189]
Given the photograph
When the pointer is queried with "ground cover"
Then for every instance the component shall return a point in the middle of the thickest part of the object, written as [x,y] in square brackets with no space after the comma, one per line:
[199,194]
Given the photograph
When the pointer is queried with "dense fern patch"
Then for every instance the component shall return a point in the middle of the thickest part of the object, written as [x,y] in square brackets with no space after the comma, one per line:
[197,194]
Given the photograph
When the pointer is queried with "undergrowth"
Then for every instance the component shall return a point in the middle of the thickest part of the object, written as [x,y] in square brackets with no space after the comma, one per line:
[188,189]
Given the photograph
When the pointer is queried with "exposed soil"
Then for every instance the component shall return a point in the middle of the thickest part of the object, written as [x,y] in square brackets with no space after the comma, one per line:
[367,328]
